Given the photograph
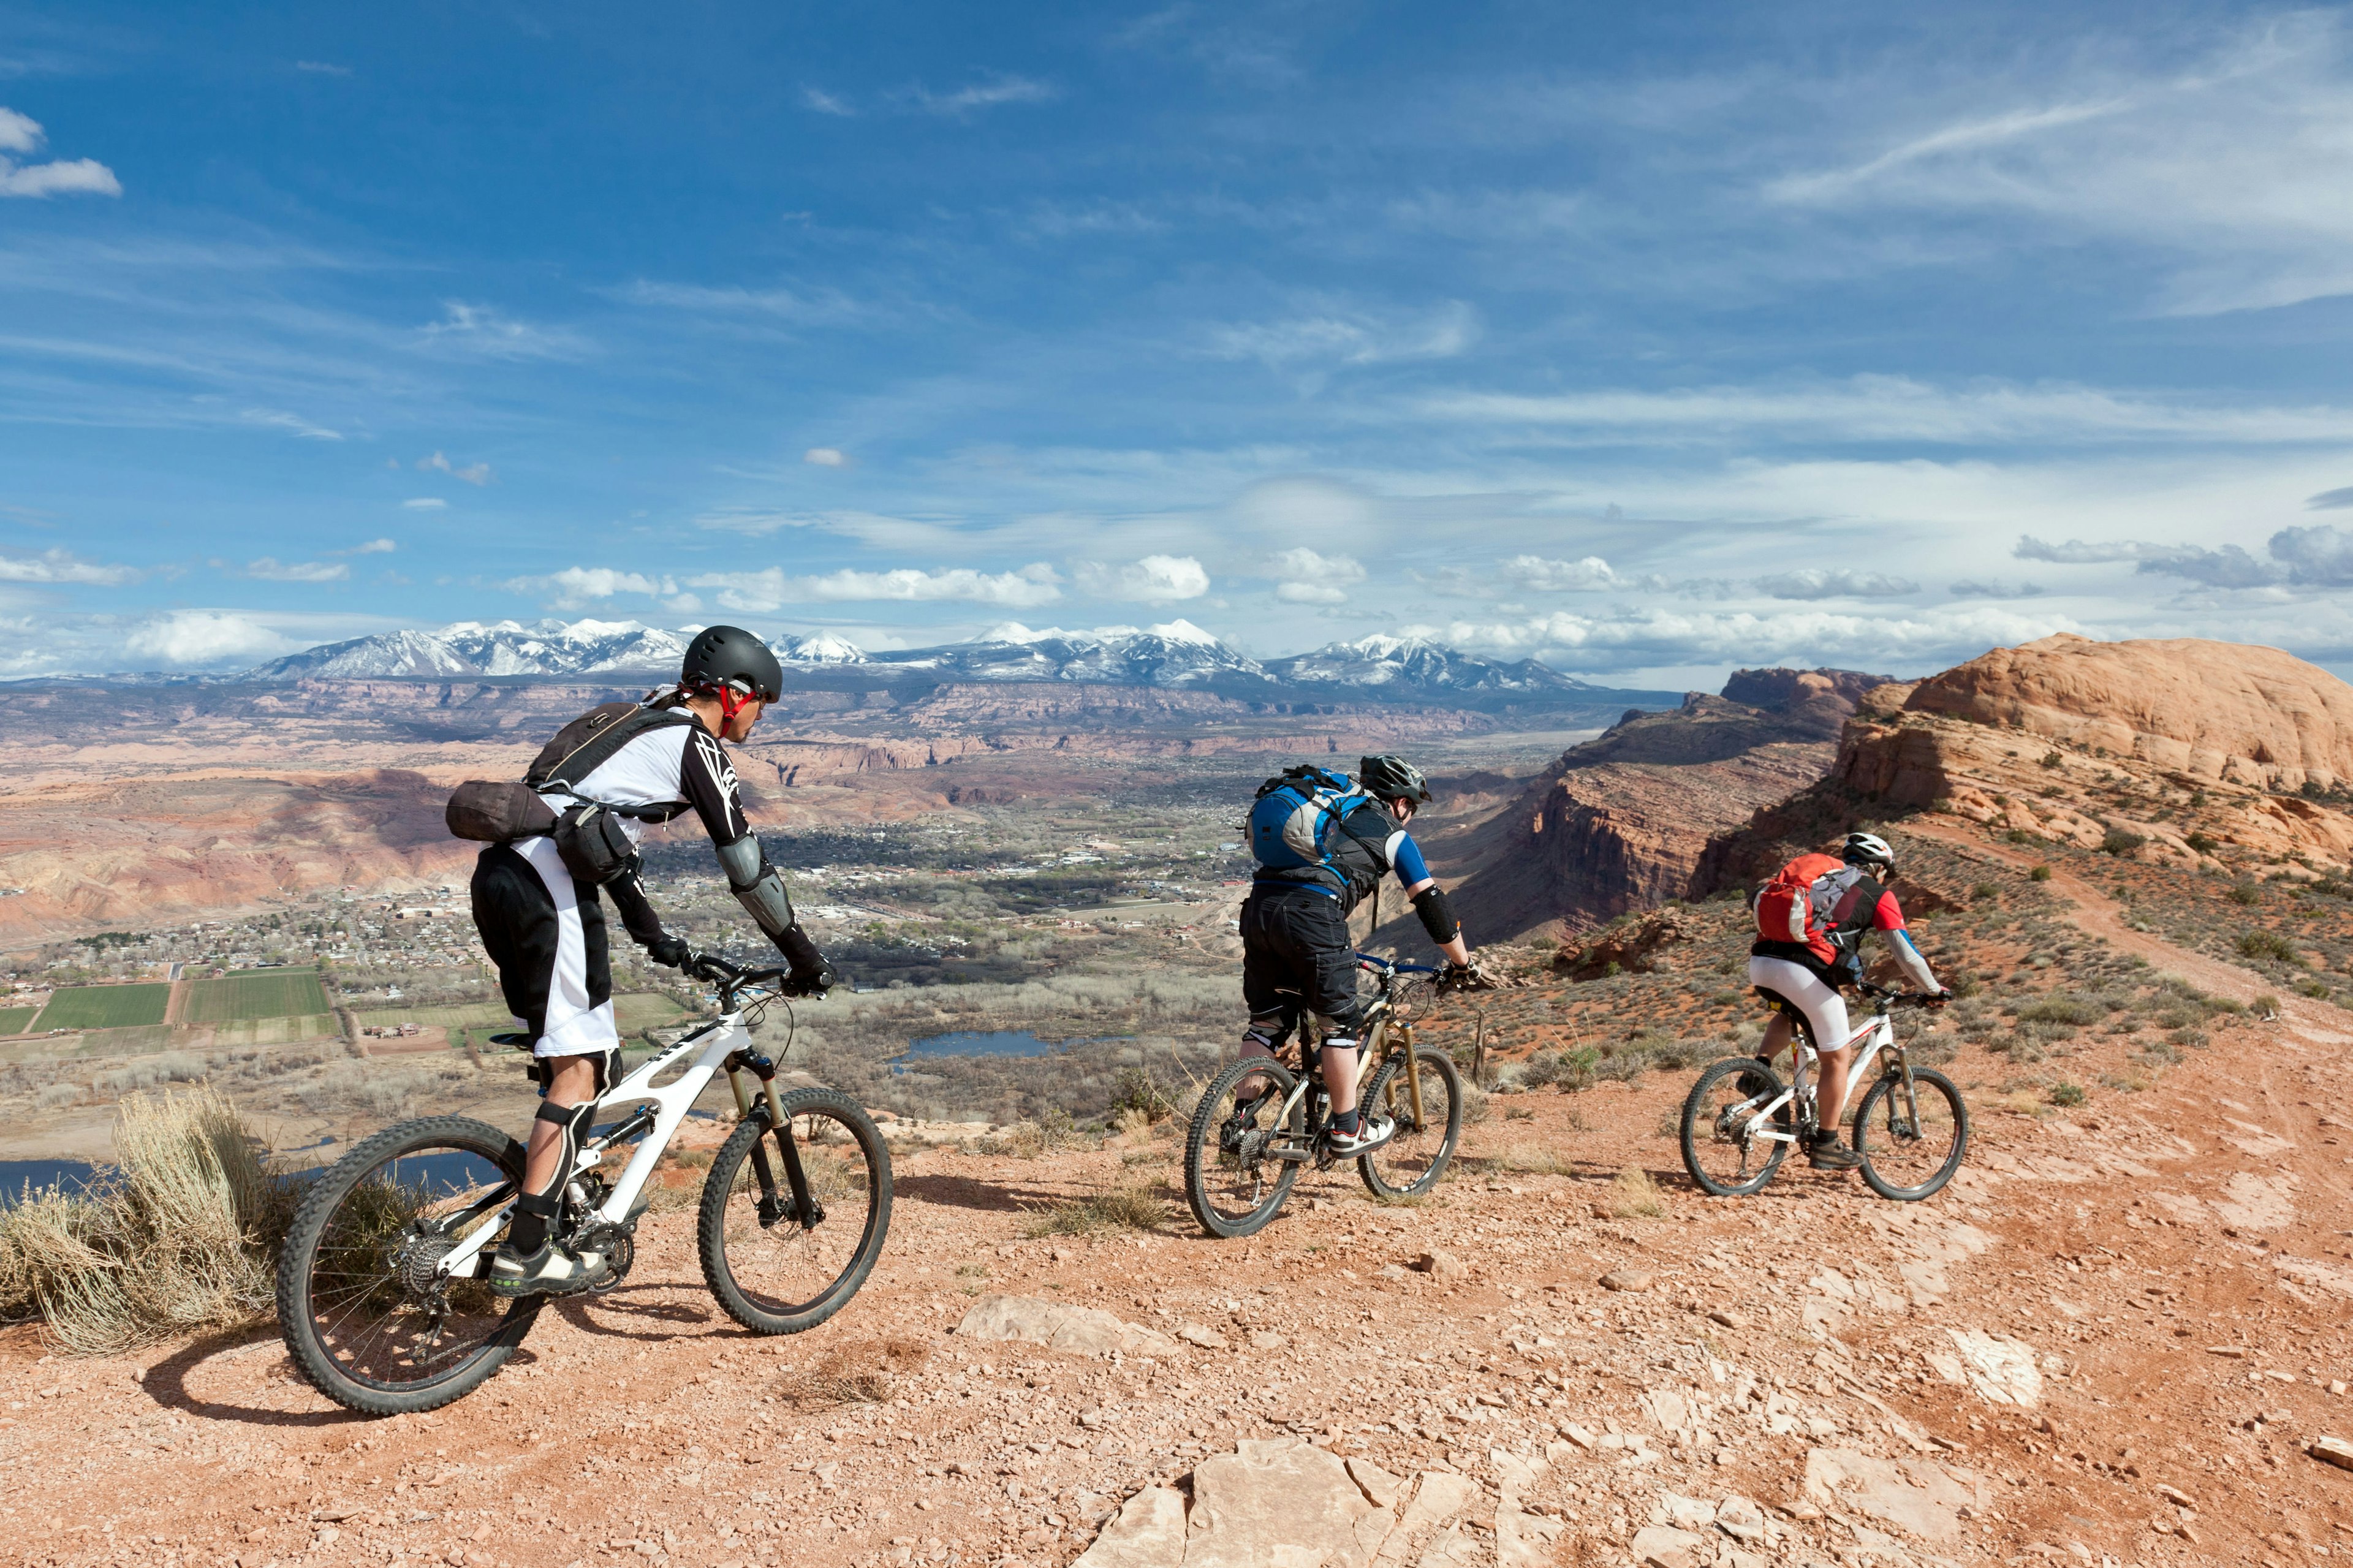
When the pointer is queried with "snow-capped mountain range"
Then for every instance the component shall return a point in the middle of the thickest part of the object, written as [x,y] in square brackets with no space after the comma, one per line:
[1176,653]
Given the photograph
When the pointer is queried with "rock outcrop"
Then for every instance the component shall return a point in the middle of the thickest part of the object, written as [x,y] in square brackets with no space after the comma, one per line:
[2185,751]
[1617,822]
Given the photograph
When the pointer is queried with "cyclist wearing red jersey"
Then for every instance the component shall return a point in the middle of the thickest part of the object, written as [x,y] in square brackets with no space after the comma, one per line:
[1808,973]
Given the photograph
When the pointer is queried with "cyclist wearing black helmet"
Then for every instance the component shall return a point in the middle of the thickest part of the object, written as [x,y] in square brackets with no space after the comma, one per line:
[1296,951]
[544,924]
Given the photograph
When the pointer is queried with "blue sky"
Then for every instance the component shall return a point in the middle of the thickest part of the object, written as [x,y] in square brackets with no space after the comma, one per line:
[1649,341]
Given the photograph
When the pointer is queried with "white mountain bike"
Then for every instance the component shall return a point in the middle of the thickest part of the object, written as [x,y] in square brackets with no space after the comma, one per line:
[1912,1128]
[382,1292]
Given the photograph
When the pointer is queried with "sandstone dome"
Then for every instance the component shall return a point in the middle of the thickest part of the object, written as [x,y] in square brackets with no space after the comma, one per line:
[2213,710]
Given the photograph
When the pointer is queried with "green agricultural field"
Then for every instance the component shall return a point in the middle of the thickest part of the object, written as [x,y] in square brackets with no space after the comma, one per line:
[105,1006]
[256,993]
[17,1020]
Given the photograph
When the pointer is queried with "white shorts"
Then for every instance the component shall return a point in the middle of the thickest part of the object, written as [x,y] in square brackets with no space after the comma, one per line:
[1824,1008]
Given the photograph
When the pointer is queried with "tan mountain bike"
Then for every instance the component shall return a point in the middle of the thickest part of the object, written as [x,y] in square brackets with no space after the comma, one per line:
[1260,1123]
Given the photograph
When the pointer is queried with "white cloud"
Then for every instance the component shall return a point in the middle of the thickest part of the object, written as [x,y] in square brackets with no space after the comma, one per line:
[1154,580]
[989,94]
[373,547]
[819,307]
[1309,577]
[825,457]
[472,473]
[278,419]
[824,102]
[58,566]
[425,503]
[577,585]
[322,68]
[71,176]
[1538,574]
[487,331]
[203,636]
[268,569]
[772,588]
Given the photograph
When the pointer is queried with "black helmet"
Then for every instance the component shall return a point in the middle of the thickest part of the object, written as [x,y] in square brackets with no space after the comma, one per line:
[723,657]
[1392,778]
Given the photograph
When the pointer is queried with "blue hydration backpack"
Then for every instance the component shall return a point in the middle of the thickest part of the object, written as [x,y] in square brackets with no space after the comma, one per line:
[1294,821]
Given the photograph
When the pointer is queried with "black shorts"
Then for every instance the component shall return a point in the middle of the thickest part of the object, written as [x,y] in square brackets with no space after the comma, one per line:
[1296,952]
[524,932]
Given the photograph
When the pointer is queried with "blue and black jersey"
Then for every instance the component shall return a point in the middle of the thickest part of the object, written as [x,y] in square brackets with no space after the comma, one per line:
[1366,845]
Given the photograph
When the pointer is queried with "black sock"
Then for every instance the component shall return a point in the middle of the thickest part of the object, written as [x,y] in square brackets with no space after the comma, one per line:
[1345,1122]
[528,1233]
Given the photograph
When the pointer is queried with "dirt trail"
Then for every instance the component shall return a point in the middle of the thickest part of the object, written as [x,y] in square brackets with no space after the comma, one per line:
[2107,1342]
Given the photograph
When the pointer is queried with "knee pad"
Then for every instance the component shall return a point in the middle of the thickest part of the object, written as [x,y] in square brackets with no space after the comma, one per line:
[1265,1037]
[573,1122]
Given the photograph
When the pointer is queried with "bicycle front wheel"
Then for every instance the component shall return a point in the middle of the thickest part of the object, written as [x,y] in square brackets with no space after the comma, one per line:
[1723,1149]
[1233,1180]
[361,1306]
[777,1272]
[1415,1160]
[1912,1142]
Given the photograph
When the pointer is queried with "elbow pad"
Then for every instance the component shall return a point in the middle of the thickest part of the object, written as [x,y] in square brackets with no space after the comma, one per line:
[756,886]
[1437,912]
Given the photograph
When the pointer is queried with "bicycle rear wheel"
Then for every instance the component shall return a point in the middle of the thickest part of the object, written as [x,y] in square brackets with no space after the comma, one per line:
[1232,1182]
[774,1272]
[1415,1160]
[1722,1150]
[361,1310]
[1911,1144]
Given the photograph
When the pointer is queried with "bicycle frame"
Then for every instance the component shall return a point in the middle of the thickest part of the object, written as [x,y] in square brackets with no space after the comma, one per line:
[1378,1040]
[715,1047]
[1881,1034]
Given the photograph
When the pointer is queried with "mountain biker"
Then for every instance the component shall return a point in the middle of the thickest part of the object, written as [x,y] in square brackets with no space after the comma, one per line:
[1296,949]
[545,927]
[1808,973]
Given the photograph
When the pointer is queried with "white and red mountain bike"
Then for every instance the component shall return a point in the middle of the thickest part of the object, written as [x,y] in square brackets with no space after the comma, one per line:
[1911,1127]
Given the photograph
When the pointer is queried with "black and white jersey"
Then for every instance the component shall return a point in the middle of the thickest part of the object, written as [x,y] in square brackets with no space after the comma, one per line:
[678,766]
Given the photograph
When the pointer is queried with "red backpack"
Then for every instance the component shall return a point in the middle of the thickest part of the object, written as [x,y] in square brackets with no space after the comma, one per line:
[1817,900]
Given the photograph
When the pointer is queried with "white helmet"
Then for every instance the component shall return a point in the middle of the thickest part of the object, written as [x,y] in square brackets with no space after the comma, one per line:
[1868,849]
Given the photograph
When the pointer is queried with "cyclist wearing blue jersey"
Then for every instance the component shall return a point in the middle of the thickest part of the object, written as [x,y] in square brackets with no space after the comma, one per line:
[1296,951]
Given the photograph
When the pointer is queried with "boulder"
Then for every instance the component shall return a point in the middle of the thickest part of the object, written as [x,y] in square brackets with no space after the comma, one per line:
[1086,1330]
[1281,1500]
[1664,1546]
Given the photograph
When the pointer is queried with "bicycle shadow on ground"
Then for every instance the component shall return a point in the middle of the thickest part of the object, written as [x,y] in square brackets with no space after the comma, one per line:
[621,1313]
[972,1192]
[241,1357]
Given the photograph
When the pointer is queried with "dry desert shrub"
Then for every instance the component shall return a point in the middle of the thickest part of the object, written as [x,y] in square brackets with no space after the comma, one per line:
[180,1237]
[1537,1160]
[1632,1196]
[864,1371]
[1128,1208]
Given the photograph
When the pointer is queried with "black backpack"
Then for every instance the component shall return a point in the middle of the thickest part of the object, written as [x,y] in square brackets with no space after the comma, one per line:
[593,846]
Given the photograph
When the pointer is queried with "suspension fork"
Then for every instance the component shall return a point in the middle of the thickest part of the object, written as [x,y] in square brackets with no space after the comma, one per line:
[1412,1074]
[804,1206]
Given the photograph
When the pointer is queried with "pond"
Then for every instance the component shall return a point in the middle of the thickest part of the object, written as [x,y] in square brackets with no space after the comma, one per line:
[71,1175]
[983,1043]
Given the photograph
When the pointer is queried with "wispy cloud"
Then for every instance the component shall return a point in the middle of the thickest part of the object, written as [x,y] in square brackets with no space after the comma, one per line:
[774,588]
[1343,335]
[1898,408]
[1311,577]
[269,570]
[2318,557]
[812,307]
[487,333]
[279,419]
[993,93]
[425,503]
[824,102]
[472,473]
[825,457]
[1833,583]
[61,566]
[186,637]
[322,68]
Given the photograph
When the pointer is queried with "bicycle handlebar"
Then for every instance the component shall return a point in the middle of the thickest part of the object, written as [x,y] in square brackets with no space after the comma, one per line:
[1380,966]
